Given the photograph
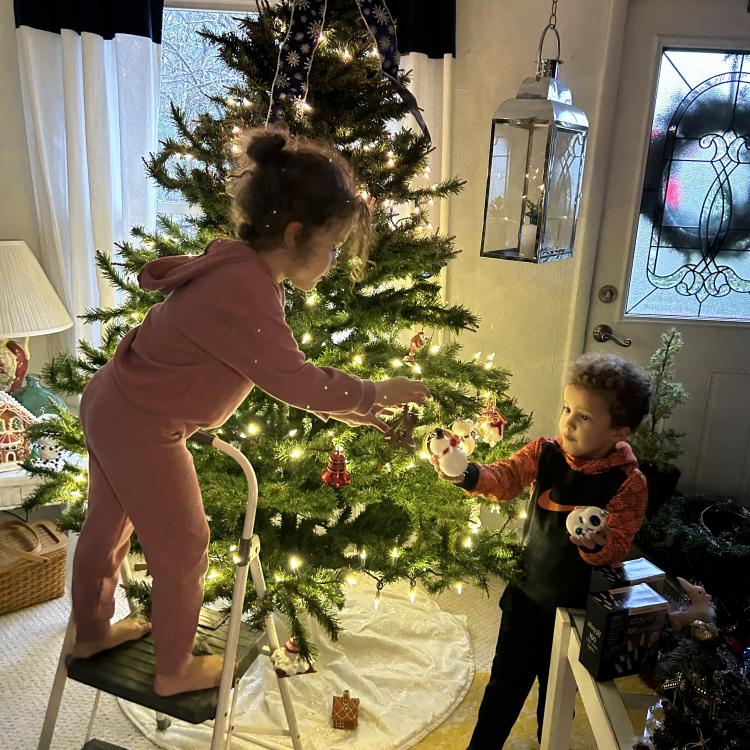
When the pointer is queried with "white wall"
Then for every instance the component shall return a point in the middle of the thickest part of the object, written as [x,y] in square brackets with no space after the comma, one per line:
[17,214]
[532,316]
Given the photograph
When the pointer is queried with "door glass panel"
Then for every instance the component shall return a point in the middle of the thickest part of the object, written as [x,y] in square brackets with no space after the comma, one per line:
[691,258]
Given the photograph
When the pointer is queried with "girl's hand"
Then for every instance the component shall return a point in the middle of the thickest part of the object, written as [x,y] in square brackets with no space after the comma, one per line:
[599,538]
[436,465]
[399,390]
[356,420]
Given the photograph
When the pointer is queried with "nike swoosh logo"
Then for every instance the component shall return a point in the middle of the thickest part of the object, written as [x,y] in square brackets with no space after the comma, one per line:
[545,501]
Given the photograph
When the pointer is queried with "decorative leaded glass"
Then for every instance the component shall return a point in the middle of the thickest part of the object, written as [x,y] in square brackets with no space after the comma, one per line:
[191,71]
[692,249]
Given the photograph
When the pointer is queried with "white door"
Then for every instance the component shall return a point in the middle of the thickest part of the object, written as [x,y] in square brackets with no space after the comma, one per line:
[675,235]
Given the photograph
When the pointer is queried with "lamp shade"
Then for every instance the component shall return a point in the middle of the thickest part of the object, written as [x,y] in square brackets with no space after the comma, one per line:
[29,306]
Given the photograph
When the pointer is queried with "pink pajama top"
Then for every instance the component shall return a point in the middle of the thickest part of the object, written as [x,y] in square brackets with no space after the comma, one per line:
[219,332]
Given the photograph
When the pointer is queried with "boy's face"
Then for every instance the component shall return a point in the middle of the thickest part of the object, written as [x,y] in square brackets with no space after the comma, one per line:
[586,425]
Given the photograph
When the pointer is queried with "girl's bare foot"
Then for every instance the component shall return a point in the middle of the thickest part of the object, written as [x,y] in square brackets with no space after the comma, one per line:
[129,629]
[201,673]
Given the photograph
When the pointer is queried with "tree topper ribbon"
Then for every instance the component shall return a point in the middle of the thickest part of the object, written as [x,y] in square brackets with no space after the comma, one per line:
[303,37]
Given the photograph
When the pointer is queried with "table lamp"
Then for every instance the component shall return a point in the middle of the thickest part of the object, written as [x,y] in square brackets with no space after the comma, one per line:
[29,306]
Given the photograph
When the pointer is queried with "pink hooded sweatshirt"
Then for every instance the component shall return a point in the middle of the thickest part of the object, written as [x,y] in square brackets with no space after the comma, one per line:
[220,331]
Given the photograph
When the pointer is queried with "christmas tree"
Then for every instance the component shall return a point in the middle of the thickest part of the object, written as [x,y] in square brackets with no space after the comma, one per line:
[332,500]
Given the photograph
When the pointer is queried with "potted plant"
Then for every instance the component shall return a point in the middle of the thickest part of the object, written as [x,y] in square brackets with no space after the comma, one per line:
[655,445]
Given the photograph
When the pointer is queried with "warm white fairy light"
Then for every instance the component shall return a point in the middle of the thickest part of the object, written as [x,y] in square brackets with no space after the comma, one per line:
[233,548]
[306,338]
[478,354]
[394,554]
[345,55]
[412,592]
[434,349]
[80,477]
[523,514]
[351,581]
[212,574]
[75,493]
[396,363]
[358,359]
[410,465]
[296,453]
[390,163]
[417,369]
[312,300]
[468,543]
[292,433]
[294,562]
[253,428]
[363,556]
[424,455]
[459,587]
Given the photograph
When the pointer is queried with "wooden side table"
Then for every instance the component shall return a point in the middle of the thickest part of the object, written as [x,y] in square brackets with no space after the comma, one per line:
[606,707]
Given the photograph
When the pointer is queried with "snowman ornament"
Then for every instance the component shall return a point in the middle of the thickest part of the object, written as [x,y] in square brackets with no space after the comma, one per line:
[451,456]
[584,522]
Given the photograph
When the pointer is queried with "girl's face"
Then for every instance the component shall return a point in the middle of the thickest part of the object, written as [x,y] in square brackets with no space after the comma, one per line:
[316,256]
[586,425]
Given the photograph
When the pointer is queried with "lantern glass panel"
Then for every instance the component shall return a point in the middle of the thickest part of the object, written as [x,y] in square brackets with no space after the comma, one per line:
[515,190]
[565,175]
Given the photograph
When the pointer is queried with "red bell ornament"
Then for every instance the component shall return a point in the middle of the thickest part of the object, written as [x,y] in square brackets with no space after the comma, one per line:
[335,474]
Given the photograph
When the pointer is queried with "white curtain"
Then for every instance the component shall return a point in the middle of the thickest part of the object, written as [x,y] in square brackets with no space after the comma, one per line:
[90,105]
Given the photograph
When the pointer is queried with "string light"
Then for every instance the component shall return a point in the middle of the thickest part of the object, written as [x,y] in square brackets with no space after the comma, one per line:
[396,363]
[306,338]
[478,355]
[253,428]
[412,592]
[363,556]
[434,349]
[376,603]
[417,369]
[312,300]
[296,453]
[394,554]
[523,514]
[212,574]
[351,581]
[292,433]
[459,587]
[358,359]
[295,562]
[233,548]
[346,55]
[424,455]
[468,543]
[410,465]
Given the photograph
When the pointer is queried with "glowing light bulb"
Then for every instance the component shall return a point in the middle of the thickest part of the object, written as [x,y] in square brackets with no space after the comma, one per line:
[363,556]
[358,359]
[296,453]
[253,428]
[396,363]
[459,587]
[346,55]
[424,455]
[306,338]
[292,433]
[394,553]
[351,581]
[468,543]
[212,574]
[312,300]
[434,349]
[295,562]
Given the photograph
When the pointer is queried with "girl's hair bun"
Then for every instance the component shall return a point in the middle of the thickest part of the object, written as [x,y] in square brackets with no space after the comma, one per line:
[265,146]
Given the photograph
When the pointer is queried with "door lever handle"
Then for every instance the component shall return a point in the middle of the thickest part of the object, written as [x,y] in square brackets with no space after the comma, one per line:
[603,333]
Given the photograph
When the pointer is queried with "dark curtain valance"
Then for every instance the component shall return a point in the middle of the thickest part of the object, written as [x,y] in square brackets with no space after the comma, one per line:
[103,17]
[427,26]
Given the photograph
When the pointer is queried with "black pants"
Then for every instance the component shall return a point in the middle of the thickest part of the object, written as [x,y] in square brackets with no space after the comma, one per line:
[524,647]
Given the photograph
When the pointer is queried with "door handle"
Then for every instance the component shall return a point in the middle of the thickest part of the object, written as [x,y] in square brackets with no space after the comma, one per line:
[603,333]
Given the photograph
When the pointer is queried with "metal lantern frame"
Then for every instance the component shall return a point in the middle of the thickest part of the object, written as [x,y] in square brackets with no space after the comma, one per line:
[542,99]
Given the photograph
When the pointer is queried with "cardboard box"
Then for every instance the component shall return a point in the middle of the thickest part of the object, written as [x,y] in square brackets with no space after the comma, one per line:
[627,573]
[621,630]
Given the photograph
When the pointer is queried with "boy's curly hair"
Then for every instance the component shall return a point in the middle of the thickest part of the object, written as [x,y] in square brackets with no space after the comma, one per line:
[624,385]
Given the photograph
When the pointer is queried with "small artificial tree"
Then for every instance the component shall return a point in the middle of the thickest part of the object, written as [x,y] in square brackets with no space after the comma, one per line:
[654,443]
[395,520]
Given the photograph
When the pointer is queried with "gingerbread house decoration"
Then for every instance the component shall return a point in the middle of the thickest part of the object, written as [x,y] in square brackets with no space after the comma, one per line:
[14,421]
[345,712]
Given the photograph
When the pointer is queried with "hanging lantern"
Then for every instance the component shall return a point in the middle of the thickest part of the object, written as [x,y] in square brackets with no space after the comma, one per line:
[335,474]
[537,148]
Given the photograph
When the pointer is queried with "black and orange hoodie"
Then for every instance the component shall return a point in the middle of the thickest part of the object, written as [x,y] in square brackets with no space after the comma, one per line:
[556,571]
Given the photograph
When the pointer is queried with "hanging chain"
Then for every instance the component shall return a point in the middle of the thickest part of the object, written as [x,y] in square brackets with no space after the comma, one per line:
[553,15]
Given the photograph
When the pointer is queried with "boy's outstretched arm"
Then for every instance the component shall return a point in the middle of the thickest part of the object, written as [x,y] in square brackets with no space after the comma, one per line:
[504,480]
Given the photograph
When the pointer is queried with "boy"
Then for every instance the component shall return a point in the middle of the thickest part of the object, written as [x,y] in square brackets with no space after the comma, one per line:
[588,464]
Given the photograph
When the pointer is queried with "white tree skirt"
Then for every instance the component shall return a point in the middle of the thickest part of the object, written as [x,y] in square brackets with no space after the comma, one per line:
[410,666]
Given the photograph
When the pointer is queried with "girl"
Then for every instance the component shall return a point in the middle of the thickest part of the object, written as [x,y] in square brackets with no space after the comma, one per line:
[189,365]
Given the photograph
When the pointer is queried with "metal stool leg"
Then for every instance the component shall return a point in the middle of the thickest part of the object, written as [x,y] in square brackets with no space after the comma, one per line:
[58,687]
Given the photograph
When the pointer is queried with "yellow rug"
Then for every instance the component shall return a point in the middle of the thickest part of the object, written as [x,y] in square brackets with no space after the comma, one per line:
[454,733]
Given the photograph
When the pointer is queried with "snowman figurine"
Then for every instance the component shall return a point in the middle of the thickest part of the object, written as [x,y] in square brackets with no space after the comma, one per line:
[584,522]
[452,460]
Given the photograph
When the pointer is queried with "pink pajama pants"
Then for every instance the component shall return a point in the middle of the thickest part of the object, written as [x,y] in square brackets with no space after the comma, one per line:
[141,476]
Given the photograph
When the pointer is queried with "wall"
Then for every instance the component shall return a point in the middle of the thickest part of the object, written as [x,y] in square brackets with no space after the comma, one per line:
[532,316]
[17,215]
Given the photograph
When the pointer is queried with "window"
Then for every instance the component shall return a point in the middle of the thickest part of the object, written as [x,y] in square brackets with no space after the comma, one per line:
[691,258]
[191,72]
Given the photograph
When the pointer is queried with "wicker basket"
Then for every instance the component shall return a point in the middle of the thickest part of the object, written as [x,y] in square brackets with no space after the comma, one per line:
[32,564]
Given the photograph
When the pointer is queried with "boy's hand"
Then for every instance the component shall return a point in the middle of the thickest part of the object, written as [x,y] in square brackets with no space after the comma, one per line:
[599,538]
[436,465]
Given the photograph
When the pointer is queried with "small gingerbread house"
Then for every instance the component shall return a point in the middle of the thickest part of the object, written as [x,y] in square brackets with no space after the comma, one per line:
[14,421]
[345,712]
